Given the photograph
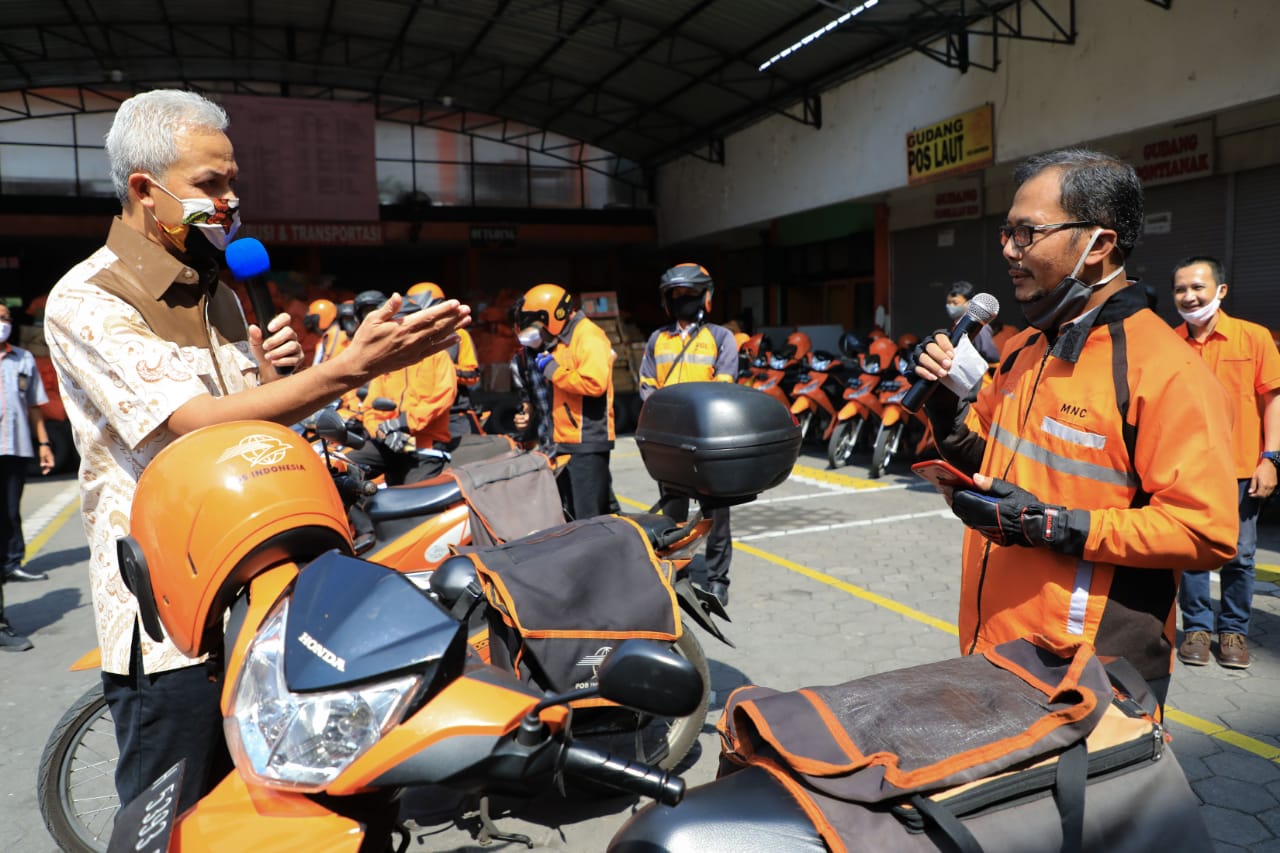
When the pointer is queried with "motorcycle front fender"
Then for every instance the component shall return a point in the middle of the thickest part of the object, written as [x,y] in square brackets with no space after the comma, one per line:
[892,414]
[801,405]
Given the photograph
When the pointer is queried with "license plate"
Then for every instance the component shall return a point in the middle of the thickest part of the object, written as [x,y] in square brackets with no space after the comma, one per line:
[144,826]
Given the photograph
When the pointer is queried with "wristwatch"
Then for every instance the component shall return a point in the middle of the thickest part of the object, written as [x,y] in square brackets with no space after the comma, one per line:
[1273,455]
[44,444]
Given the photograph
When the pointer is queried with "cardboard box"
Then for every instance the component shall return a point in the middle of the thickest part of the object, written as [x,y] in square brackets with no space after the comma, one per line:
[600,304]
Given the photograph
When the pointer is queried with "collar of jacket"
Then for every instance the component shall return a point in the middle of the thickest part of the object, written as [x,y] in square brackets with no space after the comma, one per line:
[155,268]
[1124,303]
[566,334]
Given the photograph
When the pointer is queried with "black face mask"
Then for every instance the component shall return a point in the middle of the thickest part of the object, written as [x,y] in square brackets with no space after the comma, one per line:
[687,309]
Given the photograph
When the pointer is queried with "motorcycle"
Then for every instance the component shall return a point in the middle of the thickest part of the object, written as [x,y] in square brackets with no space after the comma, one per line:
[815,393]
[897,424]
[76,790]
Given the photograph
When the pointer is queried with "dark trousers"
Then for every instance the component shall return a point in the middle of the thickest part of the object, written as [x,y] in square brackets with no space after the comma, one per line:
[13,477]
[1236,599]
[719,538]
[586,486]
[161,718]
[400,468]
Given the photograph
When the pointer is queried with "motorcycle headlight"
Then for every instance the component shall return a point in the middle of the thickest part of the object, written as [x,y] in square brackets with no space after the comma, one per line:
[302,741]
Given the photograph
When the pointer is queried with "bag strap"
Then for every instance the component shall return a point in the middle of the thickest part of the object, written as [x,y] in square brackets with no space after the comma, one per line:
[1068,792]
[1125,676]
[942,817]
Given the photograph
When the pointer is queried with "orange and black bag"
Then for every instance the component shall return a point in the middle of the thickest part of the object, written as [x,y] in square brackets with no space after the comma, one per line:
[1024,747]
[561,599]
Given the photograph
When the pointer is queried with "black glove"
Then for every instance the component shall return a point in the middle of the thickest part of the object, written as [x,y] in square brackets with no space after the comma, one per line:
[1008,515]
[394,433]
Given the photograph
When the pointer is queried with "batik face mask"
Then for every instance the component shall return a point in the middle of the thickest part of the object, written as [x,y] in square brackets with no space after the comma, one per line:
[217,219]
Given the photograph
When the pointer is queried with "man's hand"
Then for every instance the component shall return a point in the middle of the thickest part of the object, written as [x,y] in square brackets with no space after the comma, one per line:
[1008,515]
[394,433]
[546,364]
[933,361]
[521,418]
[1263,481]
[280,350]
[46,459]
[385,342]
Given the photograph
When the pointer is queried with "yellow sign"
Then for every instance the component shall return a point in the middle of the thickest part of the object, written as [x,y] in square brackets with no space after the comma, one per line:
[952,146]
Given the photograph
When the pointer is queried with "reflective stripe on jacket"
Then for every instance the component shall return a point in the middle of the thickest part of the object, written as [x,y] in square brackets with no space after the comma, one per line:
[711,355]
[582,387]
[1158,483]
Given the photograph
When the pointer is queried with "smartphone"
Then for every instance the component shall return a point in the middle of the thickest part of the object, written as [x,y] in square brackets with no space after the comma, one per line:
[943,474]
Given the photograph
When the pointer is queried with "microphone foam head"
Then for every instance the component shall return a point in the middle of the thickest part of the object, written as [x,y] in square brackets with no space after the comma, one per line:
[247,257]
[984,307]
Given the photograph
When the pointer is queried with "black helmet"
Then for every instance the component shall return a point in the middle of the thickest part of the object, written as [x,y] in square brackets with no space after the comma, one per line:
[693,276]
[368,300]
[851,345]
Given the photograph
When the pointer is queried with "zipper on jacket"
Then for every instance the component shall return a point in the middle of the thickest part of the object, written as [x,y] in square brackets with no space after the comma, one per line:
[986,553]
[568,411]
[207,298]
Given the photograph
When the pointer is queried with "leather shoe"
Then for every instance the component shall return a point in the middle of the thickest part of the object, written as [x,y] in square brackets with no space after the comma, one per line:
[1194,650]
[21,574]
[12,642]
[720,590]
[1233,651]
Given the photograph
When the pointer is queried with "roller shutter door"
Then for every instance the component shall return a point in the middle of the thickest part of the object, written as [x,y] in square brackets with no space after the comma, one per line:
[1199,225]
[1255,269]
[923,272]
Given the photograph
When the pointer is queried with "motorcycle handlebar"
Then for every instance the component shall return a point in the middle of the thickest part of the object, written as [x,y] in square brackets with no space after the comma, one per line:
[630,776]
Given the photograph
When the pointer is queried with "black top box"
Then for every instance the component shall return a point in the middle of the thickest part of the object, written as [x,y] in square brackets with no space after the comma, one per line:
[719,442]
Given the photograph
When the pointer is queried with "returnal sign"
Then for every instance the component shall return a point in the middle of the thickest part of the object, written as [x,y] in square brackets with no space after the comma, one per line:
[952,146]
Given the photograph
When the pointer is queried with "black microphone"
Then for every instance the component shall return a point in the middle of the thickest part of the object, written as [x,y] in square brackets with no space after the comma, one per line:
[983,308]
[247,259]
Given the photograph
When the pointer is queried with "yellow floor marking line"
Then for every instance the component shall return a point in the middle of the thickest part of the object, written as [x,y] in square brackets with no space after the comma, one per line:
[71,496]
[835,478]
[1214,730]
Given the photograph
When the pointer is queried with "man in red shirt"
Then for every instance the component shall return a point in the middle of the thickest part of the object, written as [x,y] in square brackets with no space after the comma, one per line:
[1244,358]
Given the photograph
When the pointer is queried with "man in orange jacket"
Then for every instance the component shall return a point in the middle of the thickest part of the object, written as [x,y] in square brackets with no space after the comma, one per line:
[576,358]
[1097,448]
[1244,358]
[462,419]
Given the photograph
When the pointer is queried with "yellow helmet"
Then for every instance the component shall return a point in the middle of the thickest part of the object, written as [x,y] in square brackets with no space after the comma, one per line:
[425,292]
[547,304]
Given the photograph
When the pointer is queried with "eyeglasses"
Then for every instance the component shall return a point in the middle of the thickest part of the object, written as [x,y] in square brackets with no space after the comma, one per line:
[1024,234]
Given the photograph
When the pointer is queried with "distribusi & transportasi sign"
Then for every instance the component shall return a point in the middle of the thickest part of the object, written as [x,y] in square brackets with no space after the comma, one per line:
[952,146]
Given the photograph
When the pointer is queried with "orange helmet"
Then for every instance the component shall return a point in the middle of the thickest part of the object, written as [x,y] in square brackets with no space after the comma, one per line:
[884,349]
[217,507]
[907,341]
[320,315]
[876,332]
[424,293]
[752,345]
[547,304]
[799,344]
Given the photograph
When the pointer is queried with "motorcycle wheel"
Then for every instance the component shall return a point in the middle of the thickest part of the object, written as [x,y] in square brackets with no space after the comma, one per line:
[843,440]
[806,421]
[76,781]
[660,741]
[886,445]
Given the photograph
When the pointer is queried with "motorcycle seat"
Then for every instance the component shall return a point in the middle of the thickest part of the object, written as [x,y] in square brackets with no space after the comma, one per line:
[654,525]
[425,498]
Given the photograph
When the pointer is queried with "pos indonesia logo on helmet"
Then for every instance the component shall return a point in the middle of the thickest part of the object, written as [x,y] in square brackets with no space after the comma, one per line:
[264,453]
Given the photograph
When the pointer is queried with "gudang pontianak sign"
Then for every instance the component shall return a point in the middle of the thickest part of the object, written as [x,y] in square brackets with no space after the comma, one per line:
[952,146]
[1175,154]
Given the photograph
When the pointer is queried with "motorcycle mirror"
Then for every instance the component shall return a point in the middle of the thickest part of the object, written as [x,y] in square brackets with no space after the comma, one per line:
[382,404]
[331,426]
[650,677]
[456,586]
[362,392]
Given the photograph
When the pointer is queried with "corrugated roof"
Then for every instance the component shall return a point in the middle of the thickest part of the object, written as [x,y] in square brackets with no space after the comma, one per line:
[649,80]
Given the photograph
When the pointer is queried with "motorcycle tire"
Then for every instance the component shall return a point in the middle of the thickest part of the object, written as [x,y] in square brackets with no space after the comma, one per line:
[886,444]
[660,741]
[806,421]
[76,784]
[844,438]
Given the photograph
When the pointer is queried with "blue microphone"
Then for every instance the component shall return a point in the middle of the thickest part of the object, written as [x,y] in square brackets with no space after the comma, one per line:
[247,259]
